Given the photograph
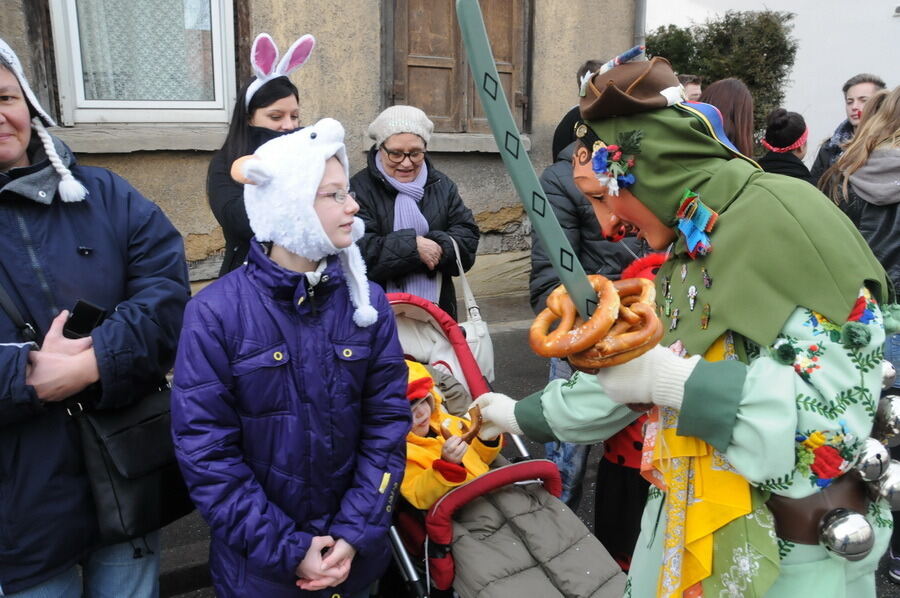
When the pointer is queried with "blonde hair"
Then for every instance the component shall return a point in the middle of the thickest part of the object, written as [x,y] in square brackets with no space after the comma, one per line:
[878,127]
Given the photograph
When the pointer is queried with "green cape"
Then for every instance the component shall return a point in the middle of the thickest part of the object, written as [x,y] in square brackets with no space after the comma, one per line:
[778,243]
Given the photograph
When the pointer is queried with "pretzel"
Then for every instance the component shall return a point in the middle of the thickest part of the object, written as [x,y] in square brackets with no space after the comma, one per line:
[636,330]
[646,337]
[468,431]
[568,337]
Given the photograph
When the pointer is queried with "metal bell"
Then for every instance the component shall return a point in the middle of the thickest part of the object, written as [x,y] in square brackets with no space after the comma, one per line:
[887,420]
[889,485]
[873,460]
[847,534]
[888,374]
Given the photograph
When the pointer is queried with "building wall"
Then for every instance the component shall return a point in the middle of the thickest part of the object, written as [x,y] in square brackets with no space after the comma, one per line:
[344,80]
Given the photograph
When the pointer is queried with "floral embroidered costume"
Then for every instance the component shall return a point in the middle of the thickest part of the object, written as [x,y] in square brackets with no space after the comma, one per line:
[428,477]
[780,295]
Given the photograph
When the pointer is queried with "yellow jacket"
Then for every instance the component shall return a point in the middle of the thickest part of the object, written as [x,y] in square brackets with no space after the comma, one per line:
[428,477]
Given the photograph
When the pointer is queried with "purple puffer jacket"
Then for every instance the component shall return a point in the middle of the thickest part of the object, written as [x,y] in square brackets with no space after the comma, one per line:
[289,422]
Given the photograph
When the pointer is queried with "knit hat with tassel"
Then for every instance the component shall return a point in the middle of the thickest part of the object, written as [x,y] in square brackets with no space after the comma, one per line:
[70,189]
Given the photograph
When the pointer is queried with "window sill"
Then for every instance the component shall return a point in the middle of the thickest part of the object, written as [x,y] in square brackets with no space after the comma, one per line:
[451,143]
[127,138]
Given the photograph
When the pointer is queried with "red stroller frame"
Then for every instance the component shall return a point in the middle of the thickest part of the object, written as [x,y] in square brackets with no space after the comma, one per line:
[439,519]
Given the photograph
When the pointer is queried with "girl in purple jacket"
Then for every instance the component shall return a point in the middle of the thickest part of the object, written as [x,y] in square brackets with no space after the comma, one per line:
[288,409]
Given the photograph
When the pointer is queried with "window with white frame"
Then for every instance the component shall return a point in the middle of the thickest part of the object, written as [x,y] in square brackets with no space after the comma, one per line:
[144,61]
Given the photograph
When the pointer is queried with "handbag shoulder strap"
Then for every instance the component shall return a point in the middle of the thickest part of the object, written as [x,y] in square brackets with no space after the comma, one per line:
[472,308]
[26,330]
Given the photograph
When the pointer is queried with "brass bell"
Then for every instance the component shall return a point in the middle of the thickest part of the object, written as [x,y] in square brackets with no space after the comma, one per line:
[873,460]
[889,485]
[847,534]
[888,374]
[887,420]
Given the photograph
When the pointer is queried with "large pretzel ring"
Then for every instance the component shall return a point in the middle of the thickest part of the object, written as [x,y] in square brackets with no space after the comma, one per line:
[635,331]
[467,431]
[614,350]
[568,337]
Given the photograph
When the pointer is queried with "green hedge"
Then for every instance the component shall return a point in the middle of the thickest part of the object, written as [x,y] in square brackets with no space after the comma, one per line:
[754,46]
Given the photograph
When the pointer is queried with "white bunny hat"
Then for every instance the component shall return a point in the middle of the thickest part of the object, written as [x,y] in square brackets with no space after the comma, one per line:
[70,189]
[264,58]
[280,183]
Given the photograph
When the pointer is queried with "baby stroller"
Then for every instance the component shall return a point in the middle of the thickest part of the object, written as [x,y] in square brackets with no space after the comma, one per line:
[504,533]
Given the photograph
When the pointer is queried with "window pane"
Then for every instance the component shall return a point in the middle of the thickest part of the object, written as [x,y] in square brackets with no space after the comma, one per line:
[146,49]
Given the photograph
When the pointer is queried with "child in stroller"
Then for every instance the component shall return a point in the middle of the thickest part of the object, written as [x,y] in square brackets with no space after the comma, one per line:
[434,465]
[497,533]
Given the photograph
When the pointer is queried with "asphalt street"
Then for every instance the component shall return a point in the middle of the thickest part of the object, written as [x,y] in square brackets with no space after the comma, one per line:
[519,373]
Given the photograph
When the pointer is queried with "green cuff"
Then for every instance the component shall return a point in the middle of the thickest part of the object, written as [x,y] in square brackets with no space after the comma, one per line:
[530,417]
[712,394]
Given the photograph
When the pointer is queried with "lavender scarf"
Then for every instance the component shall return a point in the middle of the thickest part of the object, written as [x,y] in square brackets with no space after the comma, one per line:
[408,215]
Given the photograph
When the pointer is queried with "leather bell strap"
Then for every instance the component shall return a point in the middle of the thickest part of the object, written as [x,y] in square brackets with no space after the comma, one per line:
[797,519]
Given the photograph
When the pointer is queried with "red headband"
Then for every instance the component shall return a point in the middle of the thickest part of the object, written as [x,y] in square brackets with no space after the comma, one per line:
[780,150]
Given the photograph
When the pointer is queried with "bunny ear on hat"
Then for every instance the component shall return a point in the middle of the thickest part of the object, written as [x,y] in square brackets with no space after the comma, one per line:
[264,58]
[263,55]
[296,55]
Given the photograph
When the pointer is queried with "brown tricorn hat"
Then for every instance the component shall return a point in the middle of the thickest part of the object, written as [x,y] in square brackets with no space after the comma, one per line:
[630,88]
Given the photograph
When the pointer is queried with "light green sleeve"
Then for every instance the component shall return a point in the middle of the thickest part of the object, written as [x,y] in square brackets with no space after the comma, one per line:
[574,410]
[808,403]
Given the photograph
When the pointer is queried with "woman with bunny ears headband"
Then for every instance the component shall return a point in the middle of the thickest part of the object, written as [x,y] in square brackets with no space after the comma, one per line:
[288,409]
[267,106]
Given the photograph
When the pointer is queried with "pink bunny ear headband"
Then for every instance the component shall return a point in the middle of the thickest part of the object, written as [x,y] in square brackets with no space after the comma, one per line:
[264,58]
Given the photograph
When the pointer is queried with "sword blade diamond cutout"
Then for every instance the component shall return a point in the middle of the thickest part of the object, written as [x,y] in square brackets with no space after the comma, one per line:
[538,203]
[512,144]
[490,86]
[566,259]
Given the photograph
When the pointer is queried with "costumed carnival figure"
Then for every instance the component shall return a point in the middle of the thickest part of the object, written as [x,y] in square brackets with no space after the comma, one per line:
[763,391]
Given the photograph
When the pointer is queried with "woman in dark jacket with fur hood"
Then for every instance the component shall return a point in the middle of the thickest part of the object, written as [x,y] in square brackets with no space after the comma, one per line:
[413,213]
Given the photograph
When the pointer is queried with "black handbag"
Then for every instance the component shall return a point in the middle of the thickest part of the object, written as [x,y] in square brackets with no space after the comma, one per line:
[130,462]
[129,458]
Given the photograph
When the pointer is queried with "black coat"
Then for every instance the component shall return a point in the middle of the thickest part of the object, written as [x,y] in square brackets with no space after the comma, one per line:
[786,164]
[831,150]
[390,255]
[577,219]
[226,199]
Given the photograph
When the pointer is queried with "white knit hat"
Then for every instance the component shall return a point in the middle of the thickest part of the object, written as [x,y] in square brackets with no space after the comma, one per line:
[283,176]
[400,119]
[70,189]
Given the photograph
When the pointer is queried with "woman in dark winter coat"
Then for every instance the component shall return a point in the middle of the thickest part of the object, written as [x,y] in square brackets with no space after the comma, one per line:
[267,106]
[412,212]
[289,407]
[70,233]
[785,140]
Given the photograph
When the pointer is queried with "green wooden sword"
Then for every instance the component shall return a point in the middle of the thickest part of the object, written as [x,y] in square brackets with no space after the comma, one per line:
[521,171]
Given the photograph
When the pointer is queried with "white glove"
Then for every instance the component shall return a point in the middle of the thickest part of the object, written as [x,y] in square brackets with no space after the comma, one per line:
[657,376]
[499,415]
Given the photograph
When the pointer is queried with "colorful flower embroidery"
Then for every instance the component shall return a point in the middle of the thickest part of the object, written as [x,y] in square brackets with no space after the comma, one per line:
[823,326]
[863,310]
[804,359]
[824,456]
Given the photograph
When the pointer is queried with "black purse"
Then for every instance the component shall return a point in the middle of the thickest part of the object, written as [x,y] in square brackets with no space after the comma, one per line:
[129,458]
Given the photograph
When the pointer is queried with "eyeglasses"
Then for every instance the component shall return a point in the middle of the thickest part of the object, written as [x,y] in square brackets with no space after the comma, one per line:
[340,196]
[396,157]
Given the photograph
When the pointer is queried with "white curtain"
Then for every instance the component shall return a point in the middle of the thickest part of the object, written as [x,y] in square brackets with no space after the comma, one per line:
[146,49]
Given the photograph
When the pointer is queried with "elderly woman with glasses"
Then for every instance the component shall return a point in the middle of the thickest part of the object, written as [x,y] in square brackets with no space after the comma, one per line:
[413,213]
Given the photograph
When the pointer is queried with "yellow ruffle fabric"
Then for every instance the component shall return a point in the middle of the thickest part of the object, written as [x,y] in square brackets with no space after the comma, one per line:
[703,494]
